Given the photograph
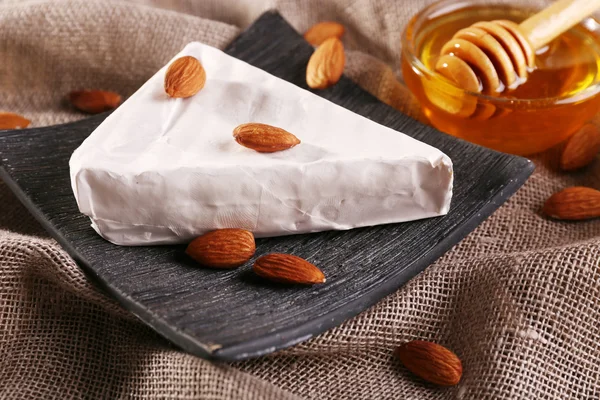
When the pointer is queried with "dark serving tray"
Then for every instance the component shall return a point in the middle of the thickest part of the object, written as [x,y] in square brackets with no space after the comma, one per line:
[231,315]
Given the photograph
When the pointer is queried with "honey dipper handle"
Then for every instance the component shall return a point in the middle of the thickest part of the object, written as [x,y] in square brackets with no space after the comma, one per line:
[549,23]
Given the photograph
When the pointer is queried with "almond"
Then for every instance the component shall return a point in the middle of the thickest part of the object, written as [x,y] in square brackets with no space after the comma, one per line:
[223,248]
[185,77]
[285,268]
[322,31]
[326,64]
[13,121]
[264,138]
[94,101]
[581,148]
[574,203]
[431,362]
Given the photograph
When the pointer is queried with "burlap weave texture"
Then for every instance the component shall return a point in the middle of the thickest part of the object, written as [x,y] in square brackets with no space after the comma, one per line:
[518,300]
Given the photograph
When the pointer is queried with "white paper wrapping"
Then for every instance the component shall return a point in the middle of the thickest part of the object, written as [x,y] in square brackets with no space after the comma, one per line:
[161,170]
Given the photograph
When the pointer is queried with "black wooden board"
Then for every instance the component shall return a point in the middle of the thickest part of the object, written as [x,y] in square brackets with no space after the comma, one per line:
[232,315]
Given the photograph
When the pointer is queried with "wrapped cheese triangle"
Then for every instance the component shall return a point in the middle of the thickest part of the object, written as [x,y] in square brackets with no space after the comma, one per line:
[162,170]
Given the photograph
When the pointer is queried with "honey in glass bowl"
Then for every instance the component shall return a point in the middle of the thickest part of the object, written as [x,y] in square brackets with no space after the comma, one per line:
[559,96]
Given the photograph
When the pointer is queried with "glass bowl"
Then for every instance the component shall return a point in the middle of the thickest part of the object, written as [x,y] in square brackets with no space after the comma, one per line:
[521,126]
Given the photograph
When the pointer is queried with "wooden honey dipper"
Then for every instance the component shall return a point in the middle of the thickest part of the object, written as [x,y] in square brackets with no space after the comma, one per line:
[492,56]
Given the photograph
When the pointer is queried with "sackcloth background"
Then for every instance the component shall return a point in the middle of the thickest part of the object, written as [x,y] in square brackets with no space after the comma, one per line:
[518,300]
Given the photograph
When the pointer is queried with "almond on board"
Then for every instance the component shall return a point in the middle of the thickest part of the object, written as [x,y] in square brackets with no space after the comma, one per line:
[286,268]
[223,248]
[326,65]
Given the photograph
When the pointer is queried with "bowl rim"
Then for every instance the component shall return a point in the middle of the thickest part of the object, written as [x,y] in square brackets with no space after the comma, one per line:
[408,51]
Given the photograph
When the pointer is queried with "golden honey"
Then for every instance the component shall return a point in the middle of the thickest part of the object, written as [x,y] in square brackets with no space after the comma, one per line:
[559,96]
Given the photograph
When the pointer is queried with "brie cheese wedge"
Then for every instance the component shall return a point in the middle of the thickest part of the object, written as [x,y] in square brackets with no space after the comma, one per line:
[162,170]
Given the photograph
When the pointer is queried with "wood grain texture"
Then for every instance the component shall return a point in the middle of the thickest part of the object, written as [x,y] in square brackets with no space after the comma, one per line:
[231,315]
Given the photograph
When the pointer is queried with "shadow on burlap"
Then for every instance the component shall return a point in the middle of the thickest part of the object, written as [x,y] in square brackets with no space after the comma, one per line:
[517,300]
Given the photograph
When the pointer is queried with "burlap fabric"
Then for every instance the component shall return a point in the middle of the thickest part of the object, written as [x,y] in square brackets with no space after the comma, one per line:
[518,300]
